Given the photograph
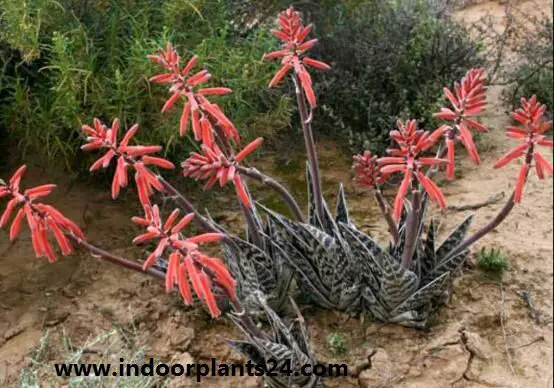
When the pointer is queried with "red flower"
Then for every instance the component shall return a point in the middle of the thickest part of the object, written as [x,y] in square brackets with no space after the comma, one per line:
[212,165]
[293,34]
[186,262]
[531,115]
[367,171]
[137,156]
[406,159]
[203,114]
[42,219]
[468,100]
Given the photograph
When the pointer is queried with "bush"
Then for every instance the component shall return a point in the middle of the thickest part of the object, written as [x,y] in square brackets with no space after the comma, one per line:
[389,59]
[66,62]
[534,69]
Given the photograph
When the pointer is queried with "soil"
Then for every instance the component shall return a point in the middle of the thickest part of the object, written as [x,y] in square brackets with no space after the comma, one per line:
[486,335]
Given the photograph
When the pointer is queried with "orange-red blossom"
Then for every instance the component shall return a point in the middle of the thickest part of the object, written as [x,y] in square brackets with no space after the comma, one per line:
[42,219]
[186,263]
[406,158]
[137,156]
[531,116]
[207,118]
[213,166]
[293,34]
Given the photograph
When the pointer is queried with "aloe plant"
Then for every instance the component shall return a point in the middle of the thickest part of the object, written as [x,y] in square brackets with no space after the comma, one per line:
[325,255]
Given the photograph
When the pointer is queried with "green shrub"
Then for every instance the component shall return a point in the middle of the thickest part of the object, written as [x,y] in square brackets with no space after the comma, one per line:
[390,60]
[536,81]
[492,261]
[532,70]
[66,62]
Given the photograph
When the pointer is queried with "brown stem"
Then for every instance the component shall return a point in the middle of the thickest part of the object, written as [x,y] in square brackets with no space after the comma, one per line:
[310,147]
[283,192]
[113,258]
[241,313]
[253,231]
[385,209]
[185,204]
[441,153]
[411,230]
[502,214]
[497,220]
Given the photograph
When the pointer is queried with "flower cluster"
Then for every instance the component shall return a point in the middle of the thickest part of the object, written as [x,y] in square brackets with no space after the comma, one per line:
[207,118]
[293,34]
[101,137]
[367,171]
[40,217]
[186,262]
[467,100]
[210,126]
[531,116]
[212,165]
[406,158]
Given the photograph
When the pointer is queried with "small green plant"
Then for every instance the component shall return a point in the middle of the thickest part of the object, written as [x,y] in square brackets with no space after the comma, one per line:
[336,344]
[492,261]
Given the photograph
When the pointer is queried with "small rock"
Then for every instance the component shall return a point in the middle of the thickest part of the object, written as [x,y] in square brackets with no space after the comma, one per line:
[477,345]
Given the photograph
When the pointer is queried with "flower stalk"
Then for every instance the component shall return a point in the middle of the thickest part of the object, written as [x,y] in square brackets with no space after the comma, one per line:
[185,204]
[411,229]
[287,197]
[497,220]
[115,259]
[386,211]
[305,119]
[293,54]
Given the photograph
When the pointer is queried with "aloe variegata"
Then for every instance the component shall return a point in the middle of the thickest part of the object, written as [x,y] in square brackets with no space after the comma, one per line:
[334,262]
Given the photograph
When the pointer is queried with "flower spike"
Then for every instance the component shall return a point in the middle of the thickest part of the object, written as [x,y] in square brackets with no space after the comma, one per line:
[197,108]
[467,100]
[412,142]
[42,219]
[186,263]
[138,157]
[367,171]
[531,115]
[293,34]
[213,166]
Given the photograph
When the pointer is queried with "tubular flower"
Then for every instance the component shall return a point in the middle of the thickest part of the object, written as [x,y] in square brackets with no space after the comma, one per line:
[212,165]
[186,263]
[367,171]
[293,34]
[406,159]
[138,156]
[531,116]
[467,100]
[42,219]
[205,116]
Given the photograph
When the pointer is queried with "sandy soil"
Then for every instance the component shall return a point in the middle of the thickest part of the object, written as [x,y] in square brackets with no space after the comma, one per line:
[485,337]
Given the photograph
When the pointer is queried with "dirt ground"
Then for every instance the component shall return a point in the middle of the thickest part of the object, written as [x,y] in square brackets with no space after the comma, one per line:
[486,336]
